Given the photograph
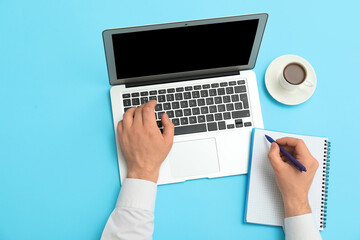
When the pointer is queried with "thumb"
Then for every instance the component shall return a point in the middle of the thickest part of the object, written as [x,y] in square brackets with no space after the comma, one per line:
[274,156]
[168,131]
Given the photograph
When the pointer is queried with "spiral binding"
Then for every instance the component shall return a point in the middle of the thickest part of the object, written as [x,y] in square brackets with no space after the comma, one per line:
[325,183]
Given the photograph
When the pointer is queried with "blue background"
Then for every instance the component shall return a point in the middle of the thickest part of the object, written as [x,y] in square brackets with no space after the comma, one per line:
[58,166]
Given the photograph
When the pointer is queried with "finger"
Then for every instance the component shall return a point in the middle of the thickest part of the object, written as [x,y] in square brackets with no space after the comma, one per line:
[168,132]
[148,113]
[138,116]
[120,127]
[274,156]
[128,118]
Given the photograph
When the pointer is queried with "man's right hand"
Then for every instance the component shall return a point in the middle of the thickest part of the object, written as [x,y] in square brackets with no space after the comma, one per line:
[293,184]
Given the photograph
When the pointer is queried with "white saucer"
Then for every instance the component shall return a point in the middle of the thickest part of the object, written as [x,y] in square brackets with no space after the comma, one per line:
[281,94]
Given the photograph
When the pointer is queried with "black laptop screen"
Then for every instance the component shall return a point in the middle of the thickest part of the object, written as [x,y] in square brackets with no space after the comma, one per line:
[182,49]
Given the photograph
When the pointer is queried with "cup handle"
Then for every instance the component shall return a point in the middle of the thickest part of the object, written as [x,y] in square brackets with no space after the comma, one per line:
[307,83]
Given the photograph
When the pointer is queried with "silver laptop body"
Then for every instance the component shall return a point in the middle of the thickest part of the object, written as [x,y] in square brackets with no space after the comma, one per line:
[200,74]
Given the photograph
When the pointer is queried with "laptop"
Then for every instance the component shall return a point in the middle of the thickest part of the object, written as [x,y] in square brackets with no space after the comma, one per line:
[200,74]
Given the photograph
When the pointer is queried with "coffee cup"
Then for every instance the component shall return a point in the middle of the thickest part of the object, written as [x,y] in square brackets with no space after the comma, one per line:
[294,76]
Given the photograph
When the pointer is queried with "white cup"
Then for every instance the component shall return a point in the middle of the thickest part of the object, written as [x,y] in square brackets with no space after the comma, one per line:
[298,73]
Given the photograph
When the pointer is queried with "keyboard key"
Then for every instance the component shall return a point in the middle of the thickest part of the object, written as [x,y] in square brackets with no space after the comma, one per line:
[240,114]
[226,115]
[125,109]
[201,102]
[239,123]
[135,94]
[238,106]
[187,95]
[153,92]
[247,124]
[162,91]
[127,102]
[175,105]
[144,100]
[223,84]
[229,107]
[158,123]
[212,109]
[209,101]
[188,88]
[230,126]
[218,100]
[170,114]
[221,91]
[161,98]
[221,125]
[240,89]
[201,119]
[244,99]
[152,98]
[158,107]
[167,106]
[218,117]
[144,93]
[176,121]
[196,111]
[221,108]
[214,85]
[197,128]
[197,87]
[212,92]
[232,83]
[229,90]
[192,120]
[187,112]
[212,126]
[204,93]
[184,104]
[171,90]
[160,114]
[179,89]
[126,95]
[204,110]
[170,97]
[192,103]
[241,82]
[195,94]
[210,118]
[235,98]
[178,96]
[178,113]
[206,86]
[135,101]
[226,99]
[184,121]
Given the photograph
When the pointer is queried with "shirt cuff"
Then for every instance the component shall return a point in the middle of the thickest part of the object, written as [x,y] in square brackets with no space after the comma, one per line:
[301,227]
[137,193]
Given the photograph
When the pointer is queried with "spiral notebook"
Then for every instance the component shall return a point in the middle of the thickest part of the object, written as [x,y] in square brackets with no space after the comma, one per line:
[264,203]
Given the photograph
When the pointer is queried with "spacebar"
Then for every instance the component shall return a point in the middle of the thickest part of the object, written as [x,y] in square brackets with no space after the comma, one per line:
[190,129]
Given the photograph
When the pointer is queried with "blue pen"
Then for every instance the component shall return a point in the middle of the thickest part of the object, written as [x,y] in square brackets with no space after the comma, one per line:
[293,160]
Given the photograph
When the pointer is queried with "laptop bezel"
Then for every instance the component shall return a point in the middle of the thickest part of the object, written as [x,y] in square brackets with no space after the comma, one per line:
[110,60]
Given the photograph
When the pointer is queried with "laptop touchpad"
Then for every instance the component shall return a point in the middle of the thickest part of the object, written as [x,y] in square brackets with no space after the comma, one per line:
[194,158]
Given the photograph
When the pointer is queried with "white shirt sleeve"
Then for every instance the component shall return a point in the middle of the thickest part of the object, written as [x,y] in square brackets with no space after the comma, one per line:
[301,227]
[133,216]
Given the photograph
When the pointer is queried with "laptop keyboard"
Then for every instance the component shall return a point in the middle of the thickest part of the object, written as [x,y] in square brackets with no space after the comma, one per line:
[198,108]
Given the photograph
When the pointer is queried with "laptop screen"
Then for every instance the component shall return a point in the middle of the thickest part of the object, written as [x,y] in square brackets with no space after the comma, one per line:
[182,49]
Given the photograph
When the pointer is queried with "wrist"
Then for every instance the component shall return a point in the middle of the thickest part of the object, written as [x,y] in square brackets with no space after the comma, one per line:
[295,207]
[144,175]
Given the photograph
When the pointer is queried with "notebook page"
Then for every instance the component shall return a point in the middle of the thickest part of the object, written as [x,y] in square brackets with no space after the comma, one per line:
[264,205]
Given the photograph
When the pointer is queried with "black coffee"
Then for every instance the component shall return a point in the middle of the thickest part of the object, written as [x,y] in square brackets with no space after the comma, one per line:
[294,73]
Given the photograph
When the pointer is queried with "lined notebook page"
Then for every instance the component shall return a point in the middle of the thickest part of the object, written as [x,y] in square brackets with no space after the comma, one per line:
[264,204]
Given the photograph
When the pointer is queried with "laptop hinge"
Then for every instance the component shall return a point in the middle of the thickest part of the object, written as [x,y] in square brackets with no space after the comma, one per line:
[180,79]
